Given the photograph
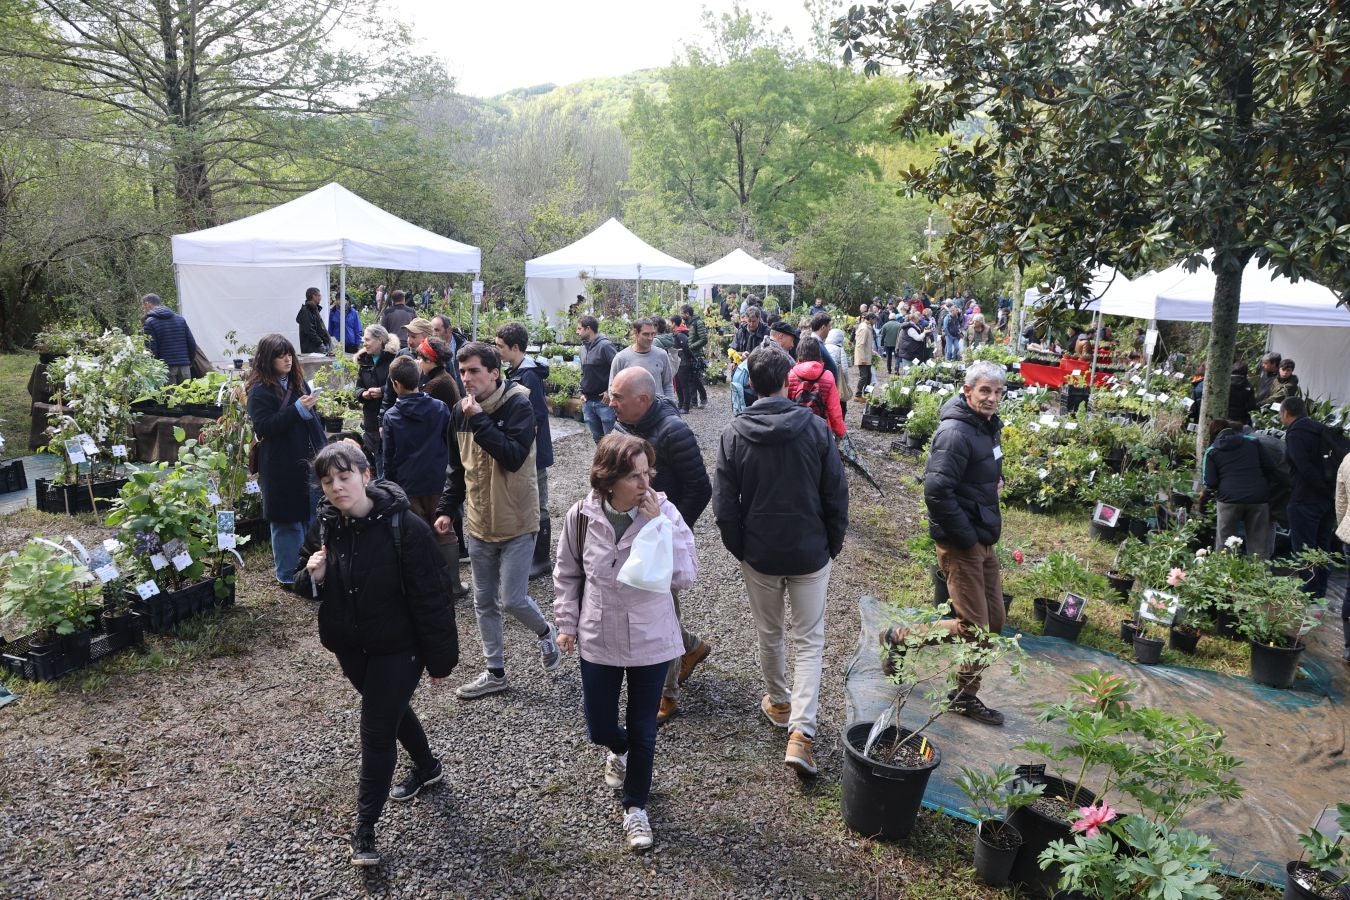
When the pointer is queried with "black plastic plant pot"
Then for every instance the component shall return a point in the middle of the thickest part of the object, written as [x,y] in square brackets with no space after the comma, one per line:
[1060,626]
[1137,527]
[994,861]
[1128,629]
[1225,625]
[881,800]
[1275,666]
[1108,534]
[1183,640]
[1038,830]
[1293,890]
[1007,602]
[76,646]
[940,593]
[1038,608]
[1147,651]
[1121,584]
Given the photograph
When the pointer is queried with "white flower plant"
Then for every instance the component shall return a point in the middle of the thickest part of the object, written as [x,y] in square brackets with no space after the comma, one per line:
[94,388]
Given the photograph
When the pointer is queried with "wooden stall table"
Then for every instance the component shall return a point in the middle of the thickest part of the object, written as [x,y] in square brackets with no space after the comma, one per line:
[154,440]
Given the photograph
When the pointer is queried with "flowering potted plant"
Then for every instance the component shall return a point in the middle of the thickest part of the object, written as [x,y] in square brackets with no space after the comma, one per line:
[1132,858]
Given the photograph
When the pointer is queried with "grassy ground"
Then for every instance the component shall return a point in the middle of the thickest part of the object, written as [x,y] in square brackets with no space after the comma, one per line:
[14,401]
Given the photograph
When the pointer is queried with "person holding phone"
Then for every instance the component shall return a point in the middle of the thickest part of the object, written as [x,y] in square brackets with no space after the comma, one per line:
[620,632]
[289,435]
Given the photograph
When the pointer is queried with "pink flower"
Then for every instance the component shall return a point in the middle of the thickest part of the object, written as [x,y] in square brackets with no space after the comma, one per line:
[1091,818]
[1176,577]
[1018,557]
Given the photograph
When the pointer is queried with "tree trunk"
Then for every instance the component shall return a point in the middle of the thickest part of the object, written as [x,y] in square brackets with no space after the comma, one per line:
[1015,317]
[1222,341]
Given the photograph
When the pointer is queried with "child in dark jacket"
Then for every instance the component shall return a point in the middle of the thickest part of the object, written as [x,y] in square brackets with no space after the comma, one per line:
[415,435]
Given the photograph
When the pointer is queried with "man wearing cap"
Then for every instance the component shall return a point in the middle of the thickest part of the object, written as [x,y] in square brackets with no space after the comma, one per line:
[785,336]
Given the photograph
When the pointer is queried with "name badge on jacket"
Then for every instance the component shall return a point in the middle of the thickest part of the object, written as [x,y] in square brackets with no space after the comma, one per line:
[998,451]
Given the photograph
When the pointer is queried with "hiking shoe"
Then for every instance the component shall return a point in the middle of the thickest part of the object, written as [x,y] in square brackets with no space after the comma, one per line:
[668,709]
[637,831]
[799,757]
[363,846]
[486,683]
[893,649]
[973,708]
[412,785]
[777,713]
[549,654]
[616,767]
[689,662]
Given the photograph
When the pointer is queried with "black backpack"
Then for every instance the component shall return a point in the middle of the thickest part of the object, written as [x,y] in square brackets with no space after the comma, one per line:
[1335,446]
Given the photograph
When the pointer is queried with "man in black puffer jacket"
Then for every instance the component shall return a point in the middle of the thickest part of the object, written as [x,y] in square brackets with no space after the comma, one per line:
[170,339]
[960,488]
[782,504]
[681,476]
[386,614]
[1237,474]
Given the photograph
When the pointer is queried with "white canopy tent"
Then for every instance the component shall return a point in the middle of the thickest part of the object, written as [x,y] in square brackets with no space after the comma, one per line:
[739,267]
[249,276]
[553,281]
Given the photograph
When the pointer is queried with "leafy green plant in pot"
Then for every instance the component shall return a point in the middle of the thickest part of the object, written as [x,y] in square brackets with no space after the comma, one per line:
[1132,858]
[887,765]
[923,419]
[994,795]
[1322,871]
[51,590]
[1274,614]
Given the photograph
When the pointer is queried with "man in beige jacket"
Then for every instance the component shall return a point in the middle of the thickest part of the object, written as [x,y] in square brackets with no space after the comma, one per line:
[862,352]
[492,473]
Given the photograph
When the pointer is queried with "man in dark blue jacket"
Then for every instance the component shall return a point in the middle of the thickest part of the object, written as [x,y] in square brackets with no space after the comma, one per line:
[781,502]
[532,373]
[597,358]
[1238,475]
[681,476]
[1312,513]
[960,489]
[170,338]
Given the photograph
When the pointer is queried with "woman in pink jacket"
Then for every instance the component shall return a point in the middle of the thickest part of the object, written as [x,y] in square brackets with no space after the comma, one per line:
[620,631]
[809,376]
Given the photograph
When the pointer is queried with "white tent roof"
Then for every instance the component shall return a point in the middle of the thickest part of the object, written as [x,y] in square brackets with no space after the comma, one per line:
[1102,283]
[610,251]
[329,226]
[739,267]
[1175,295]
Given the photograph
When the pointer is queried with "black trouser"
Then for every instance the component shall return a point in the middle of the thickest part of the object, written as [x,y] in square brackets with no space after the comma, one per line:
[686,387]
[892,361]
[386,684]
[864,379]
[699,388]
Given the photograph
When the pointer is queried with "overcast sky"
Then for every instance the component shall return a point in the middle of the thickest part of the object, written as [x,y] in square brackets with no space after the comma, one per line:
[494,47]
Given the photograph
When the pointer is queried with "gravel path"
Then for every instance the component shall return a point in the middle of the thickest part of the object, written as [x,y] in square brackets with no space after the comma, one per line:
[235,776]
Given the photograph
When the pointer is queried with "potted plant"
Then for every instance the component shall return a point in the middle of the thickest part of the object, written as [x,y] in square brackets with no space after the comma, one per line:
[334,382]
[236,352]
[49,588]
[1322,872]
[922,420]
[1132,858]
[94,391]
[222,450]
[1061,575]
[1148,645]
[993,796]
[887,765]
[1274,614]
[1165,762]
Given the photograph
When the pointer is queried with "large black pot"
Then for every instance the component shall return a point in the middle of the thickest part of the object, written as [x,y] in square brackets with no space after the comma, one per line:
[1109,534]
[1225,624]
[1038,830]
[1128,629]
[76,645]
[1275,666]
[993,864]
[1061,626]
[880,800]
[1183,641]
[1295,891]
[1121,584]
[1147,651]
[1038,607]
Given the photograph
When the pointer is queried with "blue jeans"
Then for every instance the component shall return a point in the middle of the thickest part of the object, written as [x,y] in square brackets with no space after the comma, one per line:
[501,577]
[952,348]
[599,418]
[1312,525]
[600,697]
[286,540]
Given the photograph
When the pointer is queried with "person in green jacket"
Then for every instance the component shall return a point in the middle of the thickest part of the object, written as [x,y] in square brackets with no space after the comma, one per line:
[890,336]
[698,340]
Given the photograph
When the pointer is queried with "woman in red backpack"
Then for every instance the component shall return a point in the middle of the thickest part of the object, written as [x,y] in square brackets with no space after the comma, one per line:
[810,385]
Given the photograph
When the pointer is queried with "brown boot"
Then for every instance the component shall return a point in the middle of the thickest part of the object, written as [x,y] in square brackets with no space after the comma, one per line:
[799,757]
[689,662]
[668,709]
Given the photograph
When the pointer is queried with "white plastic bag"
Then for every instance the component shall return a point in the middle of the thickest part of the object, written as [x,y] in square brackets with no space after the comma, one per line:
[652,560]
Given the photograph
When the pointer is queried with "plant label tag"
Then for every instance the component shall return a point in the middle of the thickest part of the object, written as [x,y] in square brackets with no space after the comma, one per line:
[1274,407]
[1159,607]
[1034,426]
[252,487]
[106,573]
[119,451]
[1135,379]
[1073,606]
[227,540]
[1187,402]
[1105,515]
[75,452]
[1017,367]
[1191,427]
[158,561]
[924,389]
[1070,426]
[1047,419]
[112,545]
[213,498]
[225,520]
[182,561]
[1041,473]
[1141,392]
[147,589]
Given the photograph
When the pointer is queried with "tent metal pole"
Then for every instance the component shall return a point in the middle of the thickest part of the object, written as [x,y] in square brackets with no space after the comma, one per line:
[342,306]
[1096,330]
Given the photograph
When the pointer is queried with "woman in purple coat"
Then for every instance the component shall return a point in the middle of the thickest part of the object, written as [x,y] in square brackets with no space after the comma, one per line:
[620,631]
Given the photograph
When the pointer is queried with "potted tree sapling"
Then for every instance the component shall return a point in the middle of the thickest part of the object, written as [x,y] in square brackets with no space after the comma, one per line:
[994,796]
[887,765]
[1322,871]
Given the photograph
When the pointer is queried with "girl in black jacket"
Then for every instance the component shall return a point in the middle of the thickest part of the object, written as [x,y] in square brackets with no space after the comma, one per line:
[386,614]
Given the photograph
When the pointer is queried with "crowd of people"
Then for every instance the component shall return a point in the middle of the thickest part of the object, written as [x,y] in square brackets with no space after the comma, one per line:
[453,462]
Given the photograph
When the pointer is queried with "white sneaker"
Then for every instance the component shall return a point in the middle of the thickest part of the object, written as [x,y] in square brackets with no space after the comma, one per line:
[549,654]
[637,831]
[486,683]
[616,767]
